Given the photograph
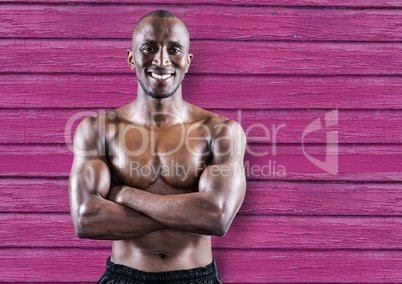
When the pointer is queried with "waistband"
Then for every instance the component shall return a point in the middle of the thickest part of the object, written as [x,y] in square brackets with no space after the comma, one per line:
[162,277]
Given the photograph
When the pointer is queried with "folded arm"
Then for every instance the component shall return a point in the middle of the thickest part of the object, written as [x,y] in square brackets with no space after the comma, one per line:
[221,191]
[93,215]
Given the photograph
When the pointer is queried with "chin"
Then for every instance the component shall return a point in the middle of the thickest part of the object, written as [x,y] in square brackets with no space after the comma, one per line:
[159,96]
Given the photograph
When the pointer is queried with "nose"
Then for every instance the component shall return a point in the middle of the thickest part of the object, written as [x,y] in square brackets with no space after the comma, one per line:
[161,58]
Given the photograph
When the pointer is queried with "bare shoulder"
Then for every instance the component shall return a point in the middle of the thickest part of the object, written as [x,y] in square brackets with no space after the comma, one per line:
[218,124]
[91,133]
[94,127]
[221,128]
[90,128]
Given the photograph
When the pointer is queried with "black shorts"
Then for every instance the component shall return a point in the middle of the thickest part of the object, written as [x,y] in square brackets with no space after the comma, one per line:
[121,274]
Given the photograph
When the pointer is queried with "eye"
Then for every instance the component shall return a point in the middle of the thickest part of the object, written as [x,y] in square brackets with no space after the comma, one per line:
[148,49]
[175,50]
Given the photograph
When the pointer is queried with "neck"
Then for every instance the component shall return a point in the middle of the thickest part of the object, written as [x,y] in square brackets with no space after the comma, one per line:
[159,112]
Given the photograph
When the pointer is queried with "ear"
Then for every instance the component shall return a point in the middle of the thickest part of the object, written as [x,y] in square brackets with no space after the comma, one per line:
[130,59]
[189,59]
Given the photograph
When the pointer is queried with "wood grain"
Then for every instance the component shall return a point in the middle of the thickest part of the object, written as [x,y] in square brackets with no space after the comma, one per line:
[267,266]
[272,126]
[275,198]
[228,57]
[309,266]
[246,232]
[356,162]
[34,195]
[282,3]
[325,198]
[227,22]
[273,62]
[207,91]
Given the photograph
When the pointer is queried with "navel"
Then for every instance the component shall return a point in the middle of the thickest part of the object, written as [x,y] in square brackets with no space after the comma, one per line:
[161,255]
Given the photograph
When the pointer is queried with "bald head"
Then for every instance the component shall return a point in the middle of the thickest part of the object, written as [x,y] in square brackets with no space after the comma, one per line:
[160,54]
[158,14]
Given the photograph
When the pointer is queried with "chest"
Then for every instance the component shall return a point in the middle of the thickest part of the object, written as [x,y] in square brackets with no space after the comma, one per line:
[176,155]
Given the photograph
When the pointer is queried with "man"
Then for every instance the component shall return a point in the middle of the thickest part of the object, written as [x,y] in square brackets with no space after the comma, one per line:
[157,176]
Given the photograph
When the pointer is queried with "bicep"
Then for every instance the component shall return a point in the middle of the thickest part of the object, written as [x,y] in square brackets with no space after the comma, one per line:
[88,185]
[224,178]
[90,175]
[225,183]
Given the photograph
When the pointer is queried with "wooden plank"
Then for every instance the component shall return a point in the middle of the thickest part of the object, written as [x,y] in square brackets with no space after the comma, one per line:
[36,161]
[207,91]
[58,125]
[355,162]
[353,126]
[235,266]
[372,163]
[317,232]
[21,230]
[346,199]
[232,57]
[262,198]
[204,22]
[281,3]
[261,266]
[34,195]
[53,265]
[246,232]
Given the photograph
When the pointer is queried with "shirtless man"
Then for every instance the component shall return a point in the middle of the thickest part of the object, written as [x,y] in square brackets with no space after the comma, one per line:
[157,176]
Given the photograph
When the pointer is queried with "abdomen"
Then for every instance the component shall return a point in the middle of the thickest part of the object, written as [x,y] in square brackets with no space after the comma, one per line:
[164,250]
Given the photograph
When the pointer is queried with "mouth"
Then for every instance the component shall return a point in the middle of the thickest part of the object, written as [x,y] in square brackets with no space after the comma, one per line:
[161,78]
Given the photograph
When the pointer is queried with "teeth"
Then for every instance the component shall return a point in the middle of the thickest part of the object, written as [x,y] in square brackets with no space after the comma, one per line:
[161,77]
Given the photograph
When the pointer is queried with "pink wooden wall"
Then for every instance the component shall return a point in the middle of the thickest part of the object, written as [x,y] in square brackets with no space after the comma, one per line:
[263,63]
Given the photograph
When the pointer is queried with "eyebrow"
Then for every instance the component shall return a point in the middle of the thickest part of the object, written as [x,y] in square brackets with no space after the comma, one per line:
[148,42]
[176,43]
[179,44]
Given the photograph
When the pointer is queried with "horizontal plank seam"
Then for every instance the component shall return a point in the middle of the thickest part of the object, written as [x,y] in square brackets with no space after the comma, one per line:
[397,181]
[220,248]
[41,213]
[29,144]
[230,282]
[129,73]
[13,109]
[276,282]
[299,216]
[334,216]
[353,182]
[64,177]
[189,75]
[225,109]
[103,3]
[282,143]
[246,39]
[317,75]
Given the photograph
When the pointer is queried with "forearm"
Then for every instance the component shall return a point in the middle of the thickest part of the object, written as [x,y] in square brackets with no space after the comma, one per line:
[107,220]
[190,212]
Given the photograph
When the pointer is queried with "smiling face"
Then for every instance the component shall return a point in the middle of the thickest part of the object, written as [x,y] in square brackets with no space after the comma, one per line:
[160,55]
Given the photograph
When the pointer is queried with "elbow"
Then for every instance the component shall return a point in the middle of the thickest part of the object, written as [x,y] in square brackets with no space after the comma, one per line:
[221,224]
[81,231]
[220,231]
[219,219]
[82,223]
